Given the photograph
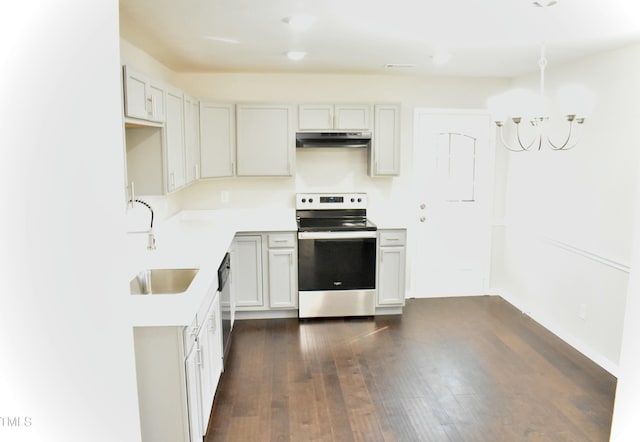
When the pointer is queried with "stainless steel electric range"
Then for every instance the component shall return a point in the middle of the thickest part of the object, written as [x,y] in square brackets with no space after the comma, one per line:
[336,255]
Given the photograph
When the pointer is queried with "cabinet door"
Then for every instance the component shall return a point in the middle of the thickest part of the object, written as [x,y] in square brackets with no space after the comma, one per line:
[265,140]
[210,341]
[155,101]
[192,369]
[174,139]
[191,139]
[217,140]
[135,94]
[385,155]
[315,116]
[143,98]
[247,272]
[354,117]
[391,275]
[283,288]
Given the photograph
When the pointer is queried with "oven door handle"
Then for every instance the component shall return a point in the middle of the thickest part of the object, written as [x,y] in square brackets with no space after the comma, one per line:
[338,235]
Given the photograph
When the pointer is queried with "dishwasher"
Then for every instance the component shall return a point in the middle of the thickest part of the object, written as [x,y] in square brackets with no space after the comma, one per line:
[227,304]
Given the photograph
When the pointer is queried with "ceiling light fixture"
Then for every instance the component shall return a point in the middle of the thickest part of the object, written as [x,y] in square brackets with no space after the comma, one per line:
[545,4]
[536,109]
[296,55]
[300,22]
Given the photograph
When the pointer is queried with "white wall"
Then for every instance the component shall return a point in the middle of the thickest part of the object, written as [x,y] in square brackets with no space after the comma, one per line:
[330,170]
[626,425]
[66,363]
[566,243]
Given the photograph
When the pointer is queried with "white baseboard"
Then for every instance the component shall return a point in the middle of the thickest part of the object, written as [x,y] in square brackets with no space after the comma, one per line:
[574,342]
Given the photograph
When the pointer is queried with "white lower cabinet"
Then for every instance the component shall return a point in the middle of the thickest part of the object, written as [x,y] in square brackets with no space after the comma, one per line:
[178,369]
[392,253]
[194,402]
[283,276]
[210,346]
[246,262]
[265,271]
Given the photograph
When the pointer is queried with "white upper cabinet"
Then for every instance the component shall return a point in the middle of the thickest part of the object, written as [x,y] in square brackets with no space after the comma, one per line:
[385,150]
[334,117]
[174,139]
[191,139]
[265,140]
[143,97]
[217,140]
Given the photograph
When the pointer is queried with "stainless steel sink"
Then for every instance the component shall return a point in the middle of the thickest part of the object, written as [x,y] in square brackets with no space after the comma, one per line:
[162,281]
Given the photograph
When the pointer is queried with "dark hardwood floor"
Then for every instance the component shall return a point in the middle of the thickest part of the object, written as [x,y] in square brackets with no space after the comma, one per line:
[449,369]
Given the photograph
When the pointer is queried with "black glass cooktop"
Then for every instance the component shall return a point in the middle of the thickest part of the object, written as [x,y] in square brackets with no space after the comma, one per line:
[334,224]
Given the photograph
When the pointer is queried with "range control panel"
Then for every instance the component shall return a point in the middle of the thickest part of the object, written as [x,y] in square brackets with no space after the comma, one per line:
[329,201]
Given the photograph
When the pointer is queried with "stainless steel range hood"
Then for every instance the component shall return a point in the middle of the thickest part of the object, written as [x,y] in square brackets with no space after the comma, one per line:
[333,139]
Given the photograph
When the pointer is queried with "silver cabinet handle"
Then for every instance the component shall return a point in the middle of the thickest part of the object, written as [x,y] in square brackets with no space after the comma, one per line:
[133,194]
[422,206]
[422,219]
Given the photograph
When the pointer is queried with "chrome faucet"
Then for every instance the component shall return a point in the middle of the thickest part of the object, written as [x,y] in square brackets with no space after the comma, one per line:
[151,240]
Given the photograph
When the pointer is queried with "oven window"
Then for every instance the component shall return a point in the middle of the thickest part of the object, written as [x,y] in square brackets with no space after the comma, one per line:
[336,264]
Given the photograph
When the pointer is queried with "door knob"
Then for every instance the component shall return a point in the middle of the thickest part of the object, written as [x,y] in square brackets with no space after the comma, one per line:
[422,206]
[422,219]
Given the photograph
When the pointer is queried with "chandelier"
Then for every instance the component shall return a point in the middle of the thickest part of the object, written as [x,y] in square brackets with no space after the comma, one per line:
[536,109]
[538,118]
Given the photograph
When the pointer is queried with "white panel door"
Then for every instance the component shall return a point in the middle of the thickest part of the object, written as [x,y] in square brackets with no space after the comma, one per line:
[192,369]
[247,271]
[453,170]
[265,140]
[174,129]
[191,139]
[283,288]
[355,117]
[217,140]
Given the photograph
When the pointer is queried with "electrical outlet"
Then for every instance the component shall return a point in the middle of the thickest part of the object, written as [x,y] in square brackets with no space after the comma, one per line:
[582,311]
[224,196]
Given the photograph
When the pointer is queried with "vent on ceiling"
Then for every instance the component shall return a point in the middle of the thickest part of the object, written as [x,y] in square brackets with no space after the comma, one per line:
[399,66]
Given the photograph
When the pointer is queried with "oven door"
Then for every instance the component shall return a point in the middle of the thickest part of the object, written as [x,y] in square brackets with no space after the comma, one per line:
[336,273]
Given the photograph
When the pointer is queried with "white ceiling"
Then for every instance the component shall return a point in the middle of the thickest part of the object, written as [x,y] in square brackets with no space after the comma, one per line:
[484,38]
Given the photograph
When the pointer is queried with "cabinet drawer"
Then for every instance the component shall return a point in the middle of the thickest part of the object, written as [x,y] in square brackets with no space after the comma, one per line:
[282,240]
[392,237]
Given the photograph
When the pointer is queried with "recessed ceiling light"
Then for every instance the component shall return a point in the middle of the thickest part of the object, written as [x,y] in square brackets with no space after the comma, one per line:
[222,39]
[296,55]
[545,4]
[300,22]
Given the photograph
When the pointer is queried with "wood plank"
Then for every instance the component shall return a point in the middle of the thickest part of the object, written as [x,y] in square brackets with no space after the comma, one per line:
[449,369]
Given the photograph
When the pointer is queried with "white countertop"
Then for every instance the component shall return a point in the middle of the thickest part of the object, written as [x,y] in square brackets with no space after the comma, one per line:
[193,239]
